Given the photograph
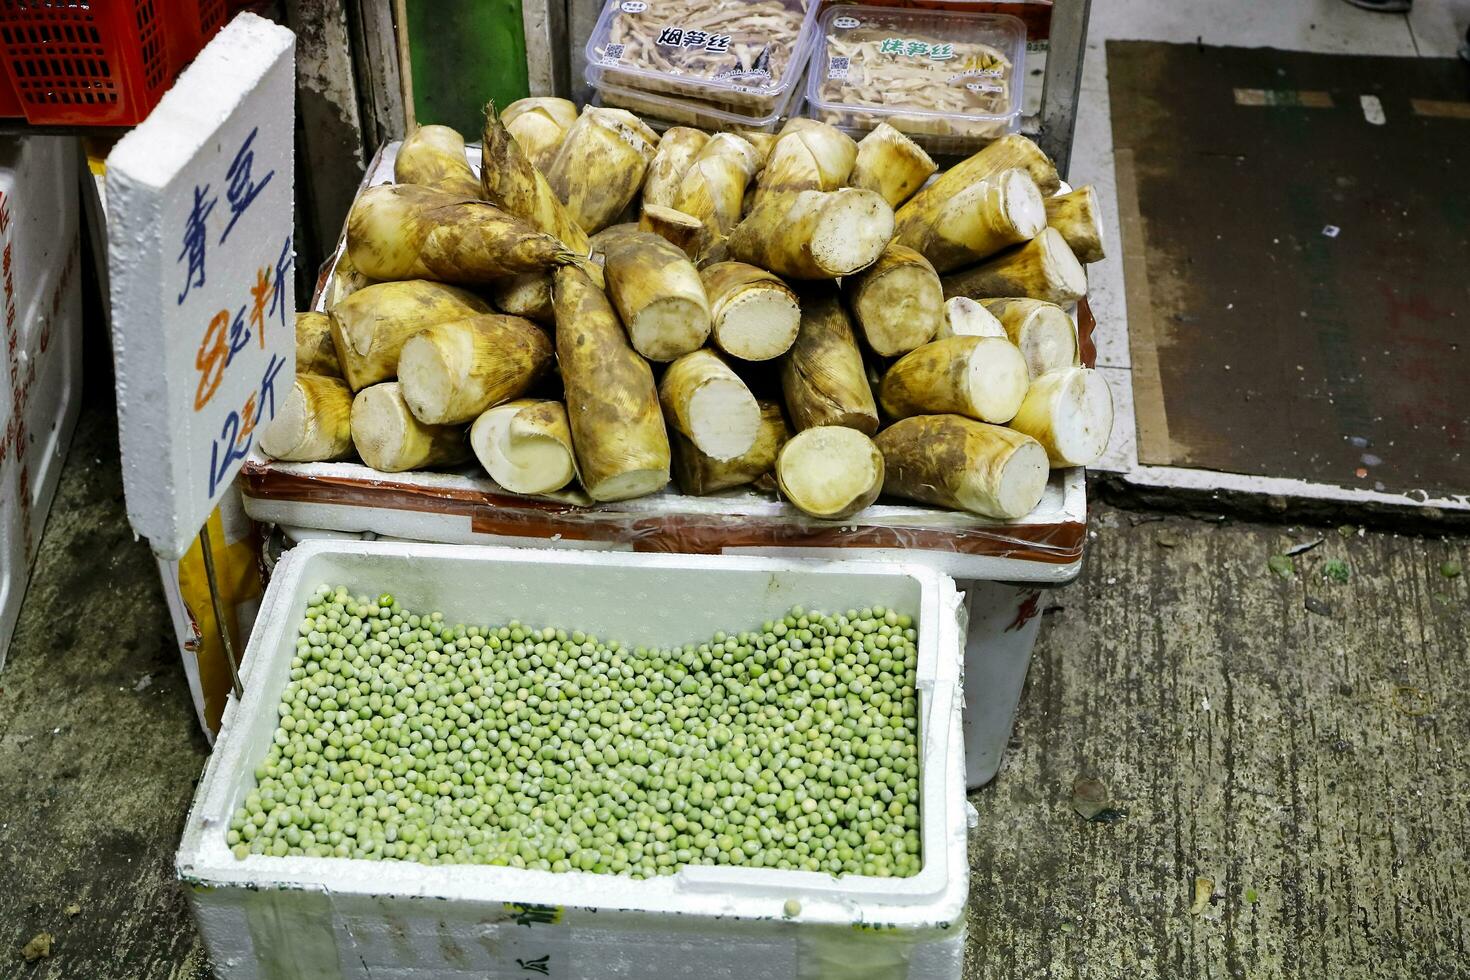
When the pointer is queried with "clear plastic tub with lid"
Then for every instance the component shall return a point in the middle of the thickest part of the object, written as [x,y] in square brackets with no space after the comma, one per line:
[743,57]
[952,80]
[663,111]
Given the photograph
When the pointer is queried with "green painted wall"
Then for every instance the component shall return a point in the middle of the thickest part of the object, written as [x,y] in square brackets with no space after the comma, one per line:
[465,52]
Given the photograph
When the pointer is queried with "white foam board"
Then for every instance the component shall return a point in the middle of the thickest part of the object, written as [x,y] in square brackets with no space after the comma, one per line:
[346,918]
[199,249]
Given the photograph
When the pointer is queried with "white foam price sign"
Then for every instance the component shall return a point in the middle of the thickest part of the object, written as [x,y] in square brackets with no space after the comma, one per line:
[200,254]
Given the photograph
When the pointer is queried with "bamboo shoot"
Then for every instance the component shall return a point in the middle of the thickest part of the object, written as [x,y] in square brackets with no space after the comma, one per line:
[823,377]
[891,164]
[617,426]
[1078,216]
[975,222]
[525,445]
[433,156]
[539,125]
[1044,268]
[698,474]
[980,377]
[830,472]
[389,438]
[964,317]
[527,295]
[315,351]
[684,231]
[370,327]
[708,404]
[656,291]
[951,461]
[1007,153]
[313,423]
[814,234]
[600,166]
[451,372]
[813,156]
[676,151]
[755,315]
[1070,412]
[1043,331]
[512,183]
[897,301]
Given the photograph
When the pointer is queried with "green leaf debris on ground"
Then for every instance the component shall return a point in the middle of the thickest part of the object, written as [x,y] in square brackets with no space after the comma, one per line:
[1336,570]
[1282,566]
[1450,569]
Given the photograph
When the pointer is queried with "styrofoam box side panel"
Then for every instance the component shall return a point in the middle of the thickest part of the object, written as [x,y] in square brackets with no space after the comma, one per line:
[360,918]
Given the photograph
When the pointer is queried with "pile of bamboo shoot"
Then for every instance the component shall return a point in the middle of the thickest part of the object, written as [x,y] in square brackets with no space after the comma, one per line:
[607,307]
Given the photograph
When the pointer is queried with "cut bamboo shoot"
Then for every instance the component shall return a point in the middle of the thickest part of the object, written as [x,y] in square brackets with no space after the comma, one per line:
[403,231]
[370,327]
[1043,331]
[814,234]
[1078,216]
[676,151]
[955,462]
[976,222]
[656,291]
[315,351]
[617,426]
[313,423]
[344,281]
[389,438]
[600,166]
[451,372]
[708,404]
[1007,153]
[684,231]
[891,164]
[964,317]
[823,377]
[813,156]
[698,474]
[980,377]
[764,143]
[511,182]
[527,295]
[433,156]
[713,187]
[830,472]
[1044,268]
[1070,412]
[755,315]
[897,301]
[539,125]
[525,445]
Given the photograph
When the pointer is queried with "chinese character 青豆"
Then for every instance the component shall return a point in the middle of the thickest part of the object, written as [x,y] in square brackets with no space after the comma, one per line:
[194,239]
[243,189]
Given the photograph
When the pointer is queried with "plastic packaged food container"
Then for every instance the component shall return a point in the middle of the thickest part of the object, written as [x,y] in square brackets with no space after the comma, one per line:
[742,57]
[949,79]
[663,111]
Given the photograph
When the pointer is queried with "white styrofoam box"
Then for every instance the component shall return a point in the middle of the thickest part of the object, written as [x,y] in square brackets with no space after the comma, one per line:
[40,346]
[199,221]
[347,918]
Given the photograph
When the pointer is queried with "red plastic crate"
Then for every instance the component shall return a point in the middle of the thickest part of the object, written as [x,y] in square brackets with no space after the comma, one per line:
[98,62]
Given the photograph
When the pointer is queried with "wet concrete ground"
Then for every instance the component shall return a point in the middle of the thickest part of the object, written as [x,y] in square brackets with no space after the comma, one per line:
[1284,759]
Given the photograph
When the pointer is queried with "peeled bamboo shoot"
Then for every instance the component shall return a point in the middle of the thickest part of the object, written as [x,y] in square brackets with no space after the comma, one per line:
[755,315]
[684,231]
[897,301]
[600,166]
[451,372]
[974,223]
[512,183]
[698,474]
[980,377]
[814,234]
[823,377]
[951,461]
[830,472]
[370,327]
[676,151]
[708,404]
[313,423]
[433,156]
[612,404]
[891,164]
[525,445]
[656,291]
[1078,216]
[1044,268]
[1070,412]
[814,156]
[315,351]
[964,317]
[404,231]
[539,125]
[389,438]
[1043,331]
[527,295]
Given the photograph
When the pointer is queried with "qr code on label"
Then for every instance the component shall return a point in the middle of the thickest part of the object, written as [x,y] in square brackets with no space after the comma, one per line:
[613,54]
[837,67]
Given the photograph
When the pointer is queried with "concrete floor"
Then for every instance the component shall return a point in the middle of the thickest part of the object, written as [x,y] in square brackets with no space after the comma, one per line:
[1309,764]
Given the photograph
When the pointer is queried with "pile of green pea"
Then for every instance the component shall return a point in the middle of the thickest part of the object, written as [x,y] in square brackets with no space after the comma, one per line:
[403,737]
